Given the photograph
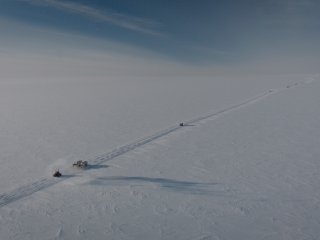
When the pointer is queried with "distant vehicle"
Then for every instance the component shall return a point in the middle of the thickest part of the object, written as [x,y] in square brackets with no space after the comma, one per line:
[57,174]
[181,124]
[80,164]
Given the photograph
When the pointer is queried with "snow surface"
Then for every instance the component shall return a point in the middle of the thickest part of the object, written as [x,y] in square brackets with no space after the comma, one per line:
[245,166]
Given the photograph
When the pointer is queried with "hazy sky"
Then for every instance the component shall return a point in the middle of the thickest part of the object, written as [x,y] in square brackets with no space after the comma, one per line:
[173,34]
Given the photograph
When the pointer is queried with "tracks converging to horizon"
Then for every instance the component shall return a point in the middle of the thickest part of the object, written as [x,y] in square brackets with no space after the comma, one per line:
[46,182]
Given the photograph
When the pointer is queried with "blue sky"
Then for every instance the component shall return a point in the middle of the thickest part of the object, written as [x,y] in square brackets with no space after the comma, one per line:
[199,33]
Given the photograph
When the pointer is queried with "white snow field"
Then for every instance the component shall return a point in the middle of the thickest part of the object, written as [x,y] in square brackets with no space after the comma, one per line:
[245,165]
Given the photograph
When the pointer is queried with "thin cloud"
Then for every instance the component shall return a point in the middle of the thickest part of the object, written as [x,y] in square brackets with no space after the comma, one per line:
[291,13]
[141,25]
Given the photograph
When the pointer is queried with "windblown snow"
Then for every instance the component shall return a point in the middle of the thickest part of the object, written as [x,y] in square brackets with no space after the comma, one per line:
[245,165]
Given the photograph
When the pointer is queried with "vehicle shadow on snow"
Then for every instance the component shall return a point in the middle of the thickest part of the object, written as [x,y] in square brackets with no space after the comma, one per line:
[97,166]
[189,125]
[68,175]
[186,187]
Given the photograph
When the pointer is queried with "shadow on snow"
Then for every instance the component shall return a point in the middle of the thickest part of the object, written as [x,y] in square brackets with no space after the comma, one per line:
[96,166]
[186,187]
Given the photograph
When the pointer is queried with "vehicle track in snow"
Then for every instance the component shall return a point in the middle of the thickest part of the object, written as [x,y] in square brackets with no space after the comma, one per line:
[46,182]
[26,190]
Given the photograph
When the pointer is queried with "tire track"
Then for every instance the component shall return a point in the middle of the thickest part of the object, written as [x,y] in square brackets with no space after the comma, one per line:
[233,107]
[26,190]
[43,183]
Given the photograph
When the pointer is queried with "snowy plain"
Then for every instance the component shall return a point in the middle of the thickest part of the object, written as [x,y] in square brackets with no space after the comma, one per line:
[249,171]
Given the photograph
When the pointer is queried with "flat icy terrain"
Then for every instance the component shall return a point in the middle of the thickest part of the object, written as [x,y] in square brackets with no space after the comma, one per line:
[248,170]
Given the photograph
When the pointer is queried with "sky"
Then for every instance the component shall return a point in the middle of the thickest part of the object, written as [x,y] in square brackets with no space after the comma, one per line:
[41,37]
